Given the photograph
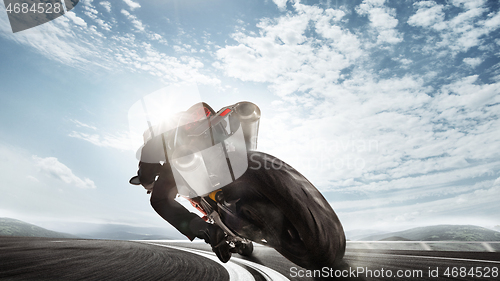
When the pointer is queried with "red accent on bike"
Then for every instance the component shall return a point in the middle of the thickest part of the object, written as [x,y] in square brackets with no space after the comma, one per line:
[207,112]
[225,112]
[196,205]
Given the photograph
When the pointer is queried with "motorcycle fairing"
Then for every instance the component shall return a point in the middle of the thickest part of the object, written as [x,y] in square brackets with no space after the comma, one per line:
[206,150]
[212,154]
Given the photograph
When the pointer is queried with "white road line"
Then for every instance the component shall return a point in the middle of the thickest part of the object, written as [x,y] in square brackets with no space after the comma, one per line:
[428,257]
[425,246]
[268,273]
[488,247]
[236,272]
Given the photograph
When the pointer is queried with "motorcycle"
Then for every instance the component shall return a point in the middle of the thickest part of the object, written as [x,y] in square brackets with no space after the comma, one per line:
[251,195]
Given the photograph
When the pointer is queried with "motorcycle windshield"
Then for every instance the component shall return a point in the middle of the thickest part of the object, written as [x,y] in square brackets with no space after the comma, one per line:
[205,150]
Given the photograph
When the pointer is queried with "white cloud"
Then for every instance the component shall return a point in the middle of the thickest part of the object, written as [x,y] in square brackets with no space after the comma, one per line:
[405,62]
[473,97]
[51,39]
[106,5]
[280,3]
[90,10]
[382,19]
[473,62]
[409,137]
[77,20]
[52,167]
[87,2]
[37,189]
[134,20]
[429,13]
[86,42]
[457,32]
[93,135]
[266,57]
[132,5]
[122,142]
[497,182]
[80,124]
[493,21]
[103,24]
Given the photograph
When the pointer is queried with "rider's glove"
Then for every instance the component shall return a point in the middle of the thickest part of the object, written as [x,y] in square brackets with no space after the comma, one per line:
[146,175]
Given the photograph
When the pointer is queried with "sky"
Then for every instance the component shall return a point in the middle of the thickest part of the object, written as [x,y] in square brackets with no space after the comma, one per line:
[390,108]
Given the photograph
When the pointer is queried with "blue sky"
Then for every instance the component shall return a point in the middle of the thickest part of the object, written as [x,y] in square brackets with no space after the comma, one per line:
[389,107]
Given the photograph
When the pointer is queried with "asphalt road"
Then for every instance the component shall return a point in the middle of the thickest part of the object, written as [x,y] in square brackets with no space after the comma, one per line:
[73,259]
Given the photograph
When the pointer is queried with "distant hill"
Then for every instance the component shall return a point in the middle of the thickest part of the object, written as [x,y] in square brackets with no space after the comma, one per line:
[130,233]
[395,238]
[358,234]
[12,227]
[440,233]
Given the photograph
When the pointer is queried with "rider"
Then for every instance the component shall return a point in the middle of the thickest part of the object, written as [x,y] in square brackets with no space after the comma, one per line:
[159,180]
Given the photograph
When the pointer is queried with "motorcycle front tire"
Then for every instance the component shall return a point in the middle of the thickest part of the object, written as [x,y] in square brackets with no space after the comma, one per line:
[295,217]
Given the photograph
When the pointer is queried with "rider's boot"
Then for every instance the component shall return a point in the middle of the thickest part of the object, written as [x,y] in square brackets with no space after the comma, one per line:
[215,236]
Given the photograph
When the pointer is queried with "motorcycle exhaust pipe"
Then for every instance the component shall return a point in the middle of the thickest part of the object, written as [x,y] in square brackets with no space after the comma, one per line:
[249,115]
